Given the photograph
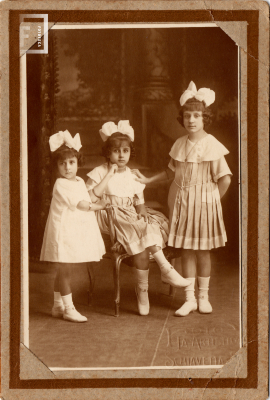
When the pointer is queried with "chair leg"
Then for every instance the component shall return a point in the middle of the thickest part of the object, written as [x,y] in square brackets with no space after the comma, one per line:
[91,276]
[171,290]
[116,275]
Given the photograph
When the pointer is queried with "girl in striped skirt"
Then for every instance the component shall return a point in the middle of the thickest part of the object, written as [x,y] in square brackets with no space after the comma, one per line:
[201,178]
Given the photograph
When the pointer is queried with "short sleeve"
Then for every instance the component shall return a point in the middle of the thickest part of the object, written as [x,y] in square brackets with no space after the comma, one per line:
[171,164]
[69,193]
[138,187]
[138,199]
[220,168]
[95,177]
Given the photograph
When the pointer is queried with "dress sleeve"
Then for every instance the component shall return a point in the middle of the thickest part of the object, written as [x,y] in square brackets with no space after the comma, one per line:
[95,177]
[220,168]
[138,199]
[171,164]
[69,193]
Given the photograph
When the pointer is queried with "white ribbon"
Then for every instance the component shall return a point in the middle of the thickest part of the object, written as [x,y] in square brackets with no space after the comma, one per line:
[203,94]
[109,128]
[64,137]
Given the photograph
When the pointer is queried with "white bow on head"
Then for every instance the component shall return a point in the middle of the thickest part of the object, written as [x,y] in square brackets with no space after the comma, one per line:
[109,128]
[64,137]
[203,94]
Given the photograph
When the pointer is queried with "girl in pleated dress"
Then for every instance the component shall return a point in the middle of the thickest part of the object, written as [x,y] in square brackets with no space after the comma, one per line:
[138,228]
[201,178]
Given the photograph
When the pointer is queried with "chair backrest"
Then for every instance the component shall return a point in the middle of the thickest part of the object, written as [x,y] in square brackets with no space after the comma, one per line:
[111,224]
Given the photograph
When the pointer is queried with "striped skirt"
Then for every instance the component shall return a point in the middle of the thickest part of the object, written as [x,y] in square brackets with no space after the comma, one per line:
[134,234]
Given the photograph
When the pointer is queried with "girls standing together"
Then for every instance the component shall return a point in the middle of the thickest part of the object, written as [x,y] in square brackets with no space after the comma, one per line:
[201,177]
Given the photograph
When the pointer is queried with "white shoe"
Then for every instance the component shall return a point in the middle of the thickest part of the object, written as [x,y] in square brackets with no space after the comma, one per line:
[204,305]
[71,314]
[174,278]
[187,307]
[57,312]
[142,300]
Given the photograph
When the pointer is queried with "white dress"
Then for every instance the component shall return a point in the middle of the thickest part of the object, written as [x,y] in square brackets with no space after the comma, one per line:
[71,235]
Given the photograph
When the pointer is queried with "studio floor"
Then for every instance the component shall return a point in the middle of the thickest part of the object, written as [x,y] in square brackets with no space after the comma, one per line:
[131,340]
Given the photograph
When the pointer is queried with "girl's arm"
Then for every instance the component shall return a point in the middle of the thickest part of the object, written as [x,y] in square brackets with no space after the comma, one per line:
[97,191]
[162,176]
[223,184]
[84,205]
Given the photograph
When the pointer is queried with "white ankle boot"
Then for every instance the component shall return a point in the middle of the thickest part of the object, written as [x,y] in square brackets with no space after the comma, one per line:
[71,314]
[187,308]
[168,273]
[58,306]
[141,290]
[190,304]
[58,311]
[171,276]
[204,304]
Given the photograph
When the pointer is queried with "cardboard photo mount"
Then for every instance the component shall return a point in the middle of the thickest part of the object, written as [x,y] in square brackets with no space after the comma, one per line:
[246,374]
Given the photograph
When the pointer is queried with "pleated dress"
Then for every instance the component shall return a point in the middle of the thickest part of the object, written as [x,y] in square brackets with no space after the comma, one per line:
[196,219]
[124,193]
[71,235]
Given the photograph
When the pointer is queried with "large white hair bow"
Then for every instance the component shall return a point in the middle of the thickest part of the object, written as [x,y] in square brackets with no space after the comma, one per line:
[203,94]
[109,128]
[64,137]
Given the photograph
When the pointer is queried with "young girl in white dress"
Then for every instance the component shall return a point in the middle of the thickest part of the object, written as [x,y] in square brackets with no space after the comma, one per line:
[201,178]
[72,234]
[138,228]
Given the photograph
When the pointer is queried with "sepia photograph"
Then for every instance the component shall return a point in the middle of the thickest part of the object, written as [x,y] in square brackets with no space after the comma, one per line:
[134,200]
[132,204]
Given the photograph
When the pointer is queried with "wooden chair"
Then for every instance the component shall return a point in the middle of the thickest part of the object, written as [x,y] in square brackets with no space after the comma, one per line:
[118,254]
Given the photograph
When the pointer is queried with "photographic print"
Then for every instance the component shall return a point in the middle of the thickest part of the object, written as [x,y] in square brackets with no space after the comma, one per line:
[91,77]
[134,171]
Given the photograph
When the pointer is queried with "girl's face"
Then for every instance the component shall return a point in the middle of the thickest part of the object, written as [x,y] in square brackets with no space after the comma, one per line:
[120,155]
[193,121]
[68,168]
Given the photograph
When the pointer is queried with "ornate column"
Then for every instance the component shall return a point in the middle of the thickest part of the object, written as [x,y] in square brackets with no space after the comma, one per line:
[156,85]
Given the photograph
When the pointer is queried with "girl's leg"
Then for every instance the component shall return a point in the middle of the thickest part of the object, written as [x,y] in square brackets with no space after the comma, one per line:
[168,273]
[141,263]
[189,272]
[58,306]
[64,278]
[204,270]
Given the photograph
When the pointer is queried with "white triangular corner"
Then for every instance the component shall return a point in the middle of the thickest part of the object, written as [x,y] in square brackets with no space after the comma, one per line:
[31,367]
[237,30]
[236,367]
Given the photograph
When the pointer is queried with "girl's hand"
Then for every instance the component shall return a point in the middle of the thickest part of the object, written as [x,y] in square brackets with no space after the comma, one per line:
[139,176]
[103,203]
[143,214]
[112,169]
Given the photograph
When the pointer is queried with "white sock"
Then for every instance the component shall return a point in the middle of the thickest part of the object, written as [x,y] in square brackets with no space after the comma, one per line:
[67,300]
[142,281]
[58,302]
[162,262]
[203,284]
[142,278]
[190,290]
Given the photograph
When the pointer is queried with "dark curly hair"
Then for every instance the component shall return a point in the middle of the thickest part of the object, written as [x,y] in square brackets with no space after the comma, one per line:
[196,105]
[63,153]
[115,140]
